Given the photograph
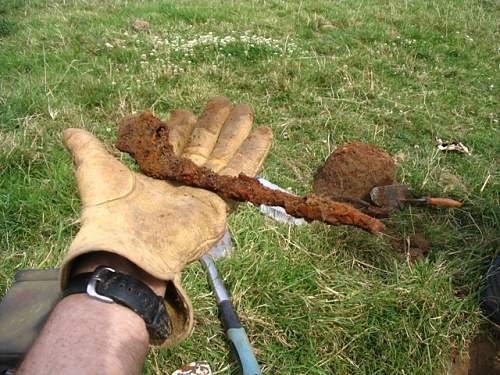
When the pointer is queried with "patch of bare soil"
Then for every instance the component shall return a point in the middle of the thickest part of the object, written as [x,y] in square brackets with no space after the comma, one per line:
[353,170]
[483,357]
[415,247]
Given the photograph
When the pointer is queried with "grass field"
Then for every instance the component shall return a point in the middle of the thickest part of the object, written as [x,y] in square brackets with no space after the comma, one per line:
[315,299]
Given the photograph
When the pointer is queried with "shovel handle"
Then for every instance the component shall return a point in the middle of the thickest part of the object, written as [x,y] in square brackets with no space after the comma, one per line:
[445,202]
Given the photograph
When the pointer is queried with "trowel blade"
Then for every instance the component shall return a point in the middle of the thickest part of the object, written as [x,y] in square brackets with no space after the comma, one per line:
[223,248]
[390,195]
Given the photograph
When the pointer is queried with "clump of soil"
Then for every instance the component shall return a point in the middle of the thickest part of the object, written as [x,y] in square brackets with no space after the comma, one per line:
[146,139]
[416,247]
[140,25]
[353,170]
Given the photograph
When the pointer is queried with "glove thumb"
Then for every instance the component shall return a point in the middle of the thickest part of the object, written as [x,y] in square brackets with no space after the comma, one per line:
[100,177]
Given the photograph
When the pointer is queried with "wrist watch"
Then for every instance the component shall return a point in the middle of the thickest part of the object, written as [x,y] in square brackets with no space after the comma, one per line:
[110,286]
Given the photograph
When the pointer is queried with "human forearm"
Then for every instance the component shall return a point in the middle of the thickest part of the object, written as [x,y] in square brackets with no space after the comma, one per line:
[87,336]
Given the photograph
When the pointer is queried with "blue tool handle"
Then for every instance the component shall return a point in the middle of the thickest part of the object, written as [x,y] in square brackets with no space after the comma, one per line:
[238,339]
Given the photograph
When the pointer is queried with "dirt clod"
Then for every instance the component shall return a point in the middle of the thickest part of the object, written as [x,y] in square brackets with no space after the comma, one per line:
[415,247]
[353,170]
[146,139]
[140,25]
[418,247]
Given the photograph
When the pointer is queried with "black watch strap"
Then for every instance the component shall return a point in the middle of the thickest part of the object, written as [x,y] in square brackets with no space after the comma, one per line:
[108,285]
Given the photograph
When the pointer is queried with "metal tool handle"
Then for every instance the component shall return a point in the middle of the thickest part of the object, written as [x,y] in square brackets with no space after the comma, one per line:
[238,339]
[235,332]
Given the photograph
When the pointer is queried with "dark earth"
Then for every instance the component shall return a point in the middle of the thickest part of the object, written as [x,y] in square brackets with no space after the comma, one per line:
[483,357]
[353,170]
[416,246]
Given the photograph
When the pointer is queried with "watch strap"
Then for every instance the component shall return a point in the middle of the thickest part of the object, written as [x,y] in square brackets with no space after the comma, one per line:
[111,286]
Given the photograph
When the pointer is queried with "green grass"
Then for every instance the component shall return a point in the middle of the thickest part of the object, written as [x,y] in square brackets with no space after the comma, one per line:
[316,299]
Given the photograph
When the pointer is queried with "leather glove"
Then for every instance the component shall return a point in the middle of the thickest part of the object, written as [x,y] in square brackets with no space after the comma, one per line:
[161,226]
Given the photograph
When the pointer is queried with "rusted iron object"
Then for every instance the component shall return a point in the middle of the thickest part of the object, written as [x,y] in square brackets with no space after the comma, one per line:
[146,139]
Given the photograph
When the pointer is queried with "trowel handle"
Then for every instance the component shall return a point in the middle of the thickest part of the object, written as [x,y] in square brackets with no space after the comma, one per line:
[238,339]
[445,202]
[235,332]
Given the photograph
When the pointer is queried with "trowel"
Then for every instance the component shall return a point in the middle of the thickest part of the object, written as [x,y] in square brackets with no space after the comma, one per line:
[398,196]
[235,331]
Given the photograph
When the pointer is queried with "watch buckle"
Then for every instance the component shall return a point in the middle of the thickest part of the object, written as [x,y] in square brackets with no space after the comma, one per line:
[91,286]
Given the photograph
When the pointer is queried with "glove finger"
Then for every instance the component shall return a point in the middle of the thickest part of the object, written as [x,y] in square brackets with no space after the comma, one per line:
[100,177]
[207,129]
[181,124]
[251,154]
[235,130]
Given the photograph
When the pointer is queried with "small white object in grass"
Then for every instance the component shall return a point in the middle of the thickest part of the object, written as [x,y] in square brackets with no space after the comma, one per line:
[452,146]
[108,45]
[485,182]
[194,368]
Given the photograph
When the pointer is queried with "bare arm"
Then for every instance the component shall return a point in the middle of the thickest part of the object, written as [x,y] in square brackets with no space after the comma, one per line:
[87,336]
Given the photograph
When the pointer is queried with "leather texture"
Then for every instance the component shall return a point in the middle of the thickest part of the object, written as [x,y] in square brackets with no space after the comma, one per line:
[159,226]
[129,292]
